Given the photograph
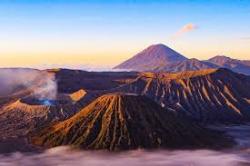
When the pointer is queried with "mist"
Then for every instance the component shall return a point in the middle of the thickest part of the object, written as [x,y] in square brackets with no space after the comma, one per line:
[41,83]
[64,156]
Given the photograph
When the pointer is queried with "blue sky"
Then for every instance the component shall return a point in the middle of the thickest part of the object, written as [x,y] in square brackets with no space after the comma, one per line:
[107,32]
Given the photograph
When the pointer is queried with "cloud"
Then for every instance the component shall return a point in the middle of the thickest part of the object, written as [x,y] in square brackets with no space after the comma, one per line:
[185,29]
[67,156]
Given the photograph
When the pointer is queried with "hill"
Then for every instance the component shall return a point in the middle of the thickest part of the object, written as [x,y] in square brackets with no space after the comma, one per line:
[127,121]
[240,66]
[209,96]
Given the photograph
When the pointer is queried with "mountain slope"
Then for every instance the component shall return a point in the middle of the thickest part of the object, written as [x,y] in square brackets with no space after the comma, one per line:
[159,57]
[152,57]
[233,64]
[209,96]
[126,121]
[22,116]
[70,81]
[187,65]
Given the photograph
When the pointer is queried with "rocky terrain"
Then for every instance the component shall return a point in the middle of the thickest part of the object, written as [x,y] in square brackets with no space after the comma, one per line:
[70,81]
[208,96]
[107,110]
[23,110]
[127,121]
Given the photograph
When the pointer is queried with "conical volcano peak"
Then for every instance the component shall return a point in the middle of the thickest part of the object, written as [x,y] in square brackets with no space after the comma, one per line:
[153,56]
[162,51]
[158,46]
[125,121]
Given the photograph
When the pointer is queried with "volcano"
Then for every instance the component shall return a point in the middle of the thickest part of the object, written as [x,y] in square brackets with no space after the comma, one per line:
[160,58]
[208,96]
[22,116]
[127,121]
[152,57]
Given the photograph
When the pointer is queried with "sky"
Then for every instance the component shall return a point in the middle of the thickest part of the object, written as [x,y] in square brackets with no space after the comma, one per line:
[75,33]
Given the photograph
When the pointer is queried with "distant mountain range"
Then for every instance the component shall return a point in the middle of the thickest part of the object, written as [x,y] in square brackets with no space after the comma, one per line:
[162,58]
[240,66]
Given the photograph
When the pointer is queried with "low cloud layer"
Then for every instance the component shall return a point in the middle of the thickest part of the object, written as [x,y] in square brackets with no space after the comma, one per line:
[185,29]
[67,157]
[40,83]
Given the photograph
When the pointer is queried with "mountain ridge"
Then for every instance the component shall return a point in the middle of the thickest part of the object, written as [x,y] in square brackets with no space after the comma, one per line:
[207,96]
[148,60]
[240,66]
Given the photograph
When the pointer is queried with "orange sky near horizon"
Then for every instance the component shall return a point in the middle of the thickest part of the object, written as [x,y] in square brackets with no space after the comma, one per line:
[109,57]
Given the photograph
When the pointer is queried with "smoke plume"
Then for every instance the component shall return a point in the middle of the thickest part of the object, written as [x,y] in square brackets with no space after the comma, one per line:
[41,83]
